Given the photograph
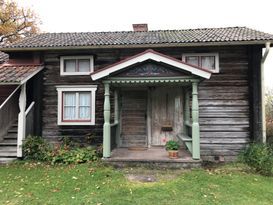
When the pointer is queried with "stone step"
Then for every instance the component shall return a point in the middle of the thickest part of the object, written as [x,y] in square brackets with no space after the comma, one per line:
[154,164]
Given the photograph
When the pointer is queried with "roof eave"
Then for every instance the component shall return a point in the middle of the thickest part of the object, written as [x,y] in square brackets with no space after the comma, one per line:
[231,43]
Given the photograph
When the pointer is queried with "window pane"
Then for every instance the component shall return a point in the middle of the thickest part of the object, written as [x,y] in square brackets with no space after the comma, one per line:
[193,60]
[69,65]
[84,105]
[208,62]
[84,65]
[69,99]
[85,98]
[69,107]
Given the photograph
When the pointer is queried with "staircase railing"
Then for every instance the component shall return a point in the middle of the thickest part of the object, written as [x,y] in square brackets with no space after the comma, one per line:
[29,115]
[8,112]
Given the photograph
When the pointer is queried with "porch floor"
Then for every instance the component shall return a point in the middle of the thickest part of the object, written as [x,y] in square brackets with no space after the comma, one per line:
[154,156]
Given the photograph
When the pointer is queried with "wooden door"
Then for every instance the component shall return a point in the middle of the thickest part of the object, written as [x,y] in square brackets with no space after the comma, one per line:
[166,114]
[133,118]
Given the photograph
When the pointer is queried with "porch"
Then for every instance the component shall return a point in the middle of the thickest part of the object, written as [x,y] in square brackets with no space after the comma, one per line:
[161,100]
[151,157]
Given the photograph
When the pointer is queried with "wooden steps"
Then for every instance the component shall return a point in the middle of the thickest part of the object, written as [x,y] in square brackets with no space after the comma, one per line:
[8,146]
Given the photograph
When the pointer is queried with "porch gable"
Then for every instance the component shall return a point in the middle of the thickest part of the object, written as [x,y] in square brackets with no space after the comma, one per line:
[156,57]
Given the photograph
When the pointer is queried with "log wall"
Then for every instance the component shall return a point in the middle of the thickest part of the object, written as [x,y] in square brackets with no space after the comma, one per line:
[225,110]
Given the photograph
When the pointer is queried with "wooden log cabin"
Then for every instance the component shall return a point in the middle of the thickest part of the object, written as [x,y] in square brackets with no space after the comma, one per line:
[138,89]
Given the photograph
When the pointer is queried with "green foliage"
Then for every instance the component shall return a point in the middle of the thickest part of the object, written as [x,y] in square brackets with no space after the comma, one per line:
[36,148]
[269,132]
[72,156]
[259,157]
[172,145]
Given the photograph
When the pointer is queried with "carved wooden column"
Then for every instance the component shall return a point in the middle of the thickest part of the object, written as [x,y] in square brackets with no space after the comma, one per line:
[21,121]
[106,126]
[186,111]
[195,123]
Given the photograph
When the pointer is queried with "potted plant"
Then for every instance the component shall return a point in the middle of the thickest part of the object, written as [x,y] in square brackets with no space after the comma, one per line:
[172,147]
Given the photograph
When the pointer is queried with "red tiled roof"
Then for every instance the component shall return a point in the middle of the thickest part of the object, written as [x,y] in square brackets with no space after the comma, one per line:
[16,74]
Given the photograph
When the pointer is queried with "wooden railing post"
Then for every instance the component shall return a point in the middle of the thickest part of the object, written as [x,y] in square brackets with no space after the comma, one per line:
[106,126]
[21,121]
[195,123]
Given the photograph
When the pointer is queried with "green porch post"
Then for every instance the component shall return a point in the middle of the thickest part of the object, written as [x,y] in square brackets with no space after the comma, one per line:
[186,111]
[195,123]
[106,126]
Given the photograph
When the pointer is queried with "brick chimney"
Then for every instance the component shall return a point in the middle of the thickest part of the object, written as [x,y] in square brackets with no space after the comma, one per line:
[140,27]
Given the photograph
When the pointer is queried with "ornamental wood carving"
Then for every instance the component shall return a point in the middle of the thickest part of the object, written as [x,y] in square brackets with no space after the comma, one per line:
[150,69]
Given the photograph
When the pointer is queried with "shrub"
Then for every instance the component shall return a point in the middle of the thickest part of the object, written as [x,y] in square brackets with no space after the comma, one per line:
[36,148]
[259,157]
[172,145]
[269,132]
[76,155]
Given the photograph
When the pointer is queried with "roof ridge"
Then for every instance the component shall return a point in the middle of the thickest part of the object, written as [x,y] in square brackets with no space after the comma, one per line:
[155,30]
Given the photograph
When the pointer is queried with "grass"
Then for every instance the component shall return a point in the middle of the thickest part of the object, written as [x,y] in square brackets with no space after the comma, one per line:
[34,183]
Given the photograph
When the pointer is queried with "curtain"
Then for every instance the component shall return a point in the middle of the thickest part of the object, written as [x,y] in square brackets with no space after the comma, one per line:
[84,105]
[208,62]
[69,106]
[84,65]
[69,65]
[193,60]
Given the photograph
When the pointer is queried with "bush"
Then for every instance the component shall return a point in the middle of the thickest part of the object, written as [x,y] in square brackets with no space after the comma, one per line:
[269,132]
[75,155]
[36,148]
[259,157]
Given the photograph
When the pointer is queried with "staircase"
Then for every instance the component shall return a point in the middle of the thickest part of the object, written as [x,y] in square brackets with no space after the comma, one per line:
[8,146]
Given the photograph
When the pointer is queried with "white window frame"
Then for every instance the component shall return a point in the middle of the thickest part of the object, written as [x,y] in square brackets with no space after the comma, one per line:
[63,73]
[216,56]
[79,88]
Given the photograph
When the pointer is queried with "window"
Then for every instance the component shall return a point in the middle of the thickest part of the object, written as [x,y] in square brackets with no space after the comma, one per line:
[76,105]
[76,65]
[204,60]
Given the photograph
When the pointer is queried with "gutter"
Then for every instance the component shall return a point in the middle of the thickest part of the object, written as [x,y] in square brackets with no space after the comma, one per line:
[267,48]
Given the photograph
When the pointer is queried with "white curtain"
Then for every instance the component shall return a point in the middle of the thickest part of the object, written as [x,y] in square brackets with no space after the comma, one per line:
[69,106]
[84,105]
[84,65]
[193,60]
[70,65]
[208,62]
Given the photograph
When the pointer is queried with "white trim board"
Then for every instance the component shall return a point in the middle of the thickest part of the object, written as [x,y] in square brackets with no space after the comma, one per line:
[77,88]
[150,55]
[62,58]
[215,55]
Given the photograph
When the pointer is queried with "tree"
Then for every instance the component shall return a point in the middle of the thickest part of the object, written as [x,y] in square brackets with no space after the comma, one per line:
[16,22]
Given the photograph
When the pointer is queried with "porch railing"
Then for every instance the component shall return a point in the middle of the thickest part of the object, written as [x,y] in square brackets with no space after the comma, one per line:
[29,115]
[8,112]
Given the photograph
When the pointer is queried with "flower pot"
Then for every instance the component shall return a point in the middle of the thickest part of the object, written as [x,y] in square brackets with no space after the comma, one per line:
[173,154]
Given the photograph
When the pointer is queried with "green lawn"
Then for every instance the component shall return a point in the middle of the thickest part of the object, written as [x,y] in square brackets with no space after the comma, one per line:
[95,184]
